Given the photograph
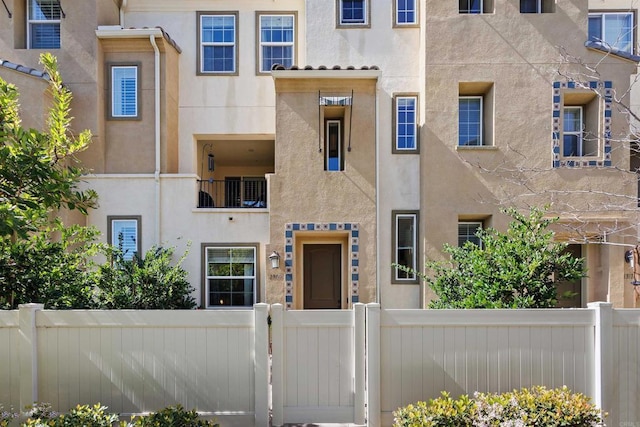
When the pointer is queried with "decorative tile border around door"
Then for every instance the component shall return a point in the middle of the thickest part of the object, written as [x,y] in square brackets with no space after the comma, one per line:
[292,227]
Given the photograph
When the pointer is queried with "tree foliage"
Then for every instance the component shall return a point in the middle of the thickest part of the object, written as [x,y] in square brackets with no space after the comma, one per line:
[38,170]
[519,268]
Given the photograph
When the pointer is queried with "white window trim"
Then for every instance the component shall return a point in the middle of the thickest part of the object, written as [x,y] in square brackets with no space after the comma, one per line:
[31,22]
[414,124]
[267,44]
[415,15]
[203,43]
[114,113]
[114,240]
[207,277]
[481,134]
[414,249]
[579,133]
[603,29]
[474,13]
[365,14]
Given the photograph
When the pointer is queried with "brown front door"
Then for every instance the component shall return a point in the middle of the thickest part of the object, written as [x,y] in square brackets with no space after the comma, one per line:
[322,274]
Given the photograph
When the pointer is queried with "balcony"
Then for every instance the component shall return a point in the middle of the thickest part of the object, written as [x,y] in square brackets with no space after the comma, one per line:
[241,192]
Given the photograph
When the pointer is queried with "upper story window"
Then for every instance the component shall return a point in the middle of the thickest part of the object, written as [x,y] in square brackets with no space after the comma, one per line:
[276,41]
[615,29]
[572,136]
[405,123]
[353,13]
[475,6]
[405,13]
[537,6]
[217,43]
[405,244]
[468,232]
[334,146]
[124,91]
[470,121]
[43,22]
[124,233]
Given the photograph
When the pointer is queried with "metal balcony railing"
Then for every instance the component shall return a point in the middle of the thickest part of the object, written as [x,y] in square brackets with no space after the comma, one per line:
[233,193]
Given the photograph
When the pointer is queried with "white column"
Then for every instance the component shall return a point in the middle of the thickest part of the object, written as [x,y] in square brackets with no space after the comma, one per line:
[359,368]
[373,365]
[277,364]
[603,355]
[261,364]
[28,353]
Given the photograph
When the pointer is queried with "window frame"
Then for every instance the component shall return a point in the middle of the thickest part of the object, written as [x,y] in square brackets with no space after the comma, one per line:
[340,145]
[396,215]
[112,241]
[205,293]
[481,139]
[601,14]
[34,22]
[396,123]
[470,237]
[486,7]
[111,95]
[260,44]
[366,21]
[396,14]
[200,44]
[579,133]
[542,6]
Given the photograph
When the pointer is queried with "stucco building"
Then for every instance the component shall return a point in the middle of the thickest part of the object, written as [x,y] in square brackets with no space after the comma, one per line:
[389,128]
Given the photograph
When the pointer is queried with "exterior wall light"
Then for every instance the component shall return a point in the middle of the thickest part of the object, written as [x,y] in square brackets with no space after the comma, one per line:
[210,163]
[275,259]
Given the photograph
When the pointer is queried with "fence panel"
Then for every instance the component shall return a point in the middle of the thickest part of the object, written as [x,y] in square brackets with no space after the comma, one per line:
[316,367]
[425,352]
[140,361]
[625,410]
[9,360]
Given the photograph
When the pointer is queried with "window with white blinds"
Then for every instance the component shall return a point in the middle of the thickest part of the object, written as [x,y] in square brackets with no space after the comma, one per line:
[43,23]
[124,91]
[124,235]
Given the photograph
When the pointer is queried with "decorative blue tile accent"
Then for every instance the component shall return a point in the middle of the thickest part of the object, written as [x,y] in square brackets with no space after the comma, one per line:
[593,84]
[556,99]
[556,113]
[608,84]
[355,298]
[290,229]
[593,163]
[556,84]
[571,85]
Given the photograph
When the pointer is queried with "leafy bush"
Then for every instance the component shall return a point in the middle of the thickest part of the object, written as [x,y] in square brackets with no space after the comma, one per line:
[537,406]
[148,282]
[52,267]
[80,416]
[169,417]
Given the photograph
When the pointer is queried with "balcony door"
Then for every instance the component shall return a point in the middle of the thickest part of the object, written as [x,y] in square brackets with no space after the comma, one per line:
[322,276]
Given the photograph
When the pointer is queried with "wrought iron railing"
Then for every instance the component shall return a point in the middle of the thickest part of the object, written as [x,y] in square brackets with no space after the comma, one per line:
[233,193]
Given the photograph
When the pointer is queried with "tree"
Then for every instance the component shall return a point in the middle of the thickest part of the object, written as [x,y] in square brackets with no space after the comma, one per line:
[519,268]
[38,171]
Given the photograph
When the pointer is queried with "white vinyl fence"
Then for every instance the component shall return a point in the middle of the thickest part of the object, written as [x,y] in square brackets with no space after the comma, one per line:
[348,366]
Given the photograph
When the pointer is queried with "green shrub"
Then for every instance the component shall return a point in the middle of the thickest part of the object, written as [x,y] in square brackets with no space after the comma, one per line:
[80,416]
[537,406]
[143,283]
[169,417]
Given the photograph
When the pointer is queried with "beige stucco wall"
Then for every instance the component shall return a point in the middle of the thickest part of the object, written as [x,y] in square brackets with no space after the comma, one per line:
[303,192]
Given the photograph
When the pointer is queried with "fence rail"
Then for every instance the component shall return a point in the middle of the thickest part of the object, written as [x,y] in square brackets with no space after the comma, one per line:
[233,193]
[348,366]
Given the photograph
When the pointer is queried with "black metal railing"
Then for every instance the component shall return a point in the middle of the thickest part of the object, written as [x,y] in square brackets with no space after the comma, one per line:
[232,193]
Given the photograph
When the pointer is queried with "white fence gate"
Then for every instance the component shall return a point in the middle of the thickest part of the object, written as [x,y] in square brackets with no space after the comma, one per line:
[347,366]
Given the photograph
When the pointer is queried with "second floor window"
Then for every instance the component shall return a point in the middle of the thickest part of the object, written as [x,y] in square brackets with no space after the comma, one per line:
[217,50]
[124,91]
[43,22]
[613,29]
[470,121]
[406,12]
[276,41]
[573,136]
[406,127]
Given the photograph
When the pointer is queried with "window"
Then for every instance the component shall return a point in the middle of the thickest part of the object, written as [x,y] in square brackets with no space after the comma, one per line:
[405,12]
[333,147]
[405,238]
[124,91]
[467,232]
[217,43]
[405,123]
[353,13]
[475,114]
[537,6]
[43,22]
[475,6]
[581,124]
[124,233]
[276,41]
[230,276]
[572,132]
[613,29]
[470,121]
